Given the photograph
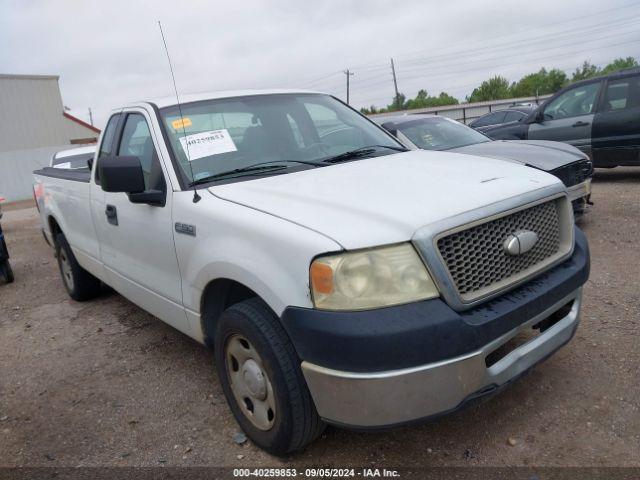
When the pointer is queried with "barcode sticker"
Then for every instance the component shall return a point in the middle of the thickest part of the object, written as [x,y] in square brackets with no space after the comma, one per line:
[205,144]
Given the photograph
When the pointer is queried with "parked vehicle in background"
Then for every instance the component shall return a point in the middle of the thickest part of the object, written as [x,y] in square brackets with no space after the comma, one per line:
[6,273]
[500,117]
[600,116]
[339,277]
[74,158]
[429,132]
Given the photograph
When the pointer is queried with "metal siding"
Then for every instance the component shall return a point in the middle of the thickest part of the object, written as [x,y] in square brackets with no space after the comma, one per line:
[74,130]
[16,170]
[30,113]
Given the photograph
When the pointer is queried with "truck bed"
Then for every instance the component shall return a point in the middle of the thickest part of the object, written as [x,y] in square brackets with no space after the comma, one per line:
[63,197]
[76,175]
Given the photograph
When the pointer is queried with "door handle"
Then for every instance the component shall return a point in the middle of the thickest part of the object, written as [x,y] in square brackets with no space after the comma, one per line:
[580,124]
[112,214]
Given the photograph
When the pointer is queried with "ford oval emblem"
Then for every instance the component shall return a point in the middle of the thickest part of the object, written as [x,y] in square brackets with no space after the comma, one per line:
[520,242]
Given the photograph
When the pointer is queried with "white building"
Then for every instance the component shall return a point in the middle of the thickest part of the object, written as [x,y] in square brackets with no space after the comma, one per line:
[33,126]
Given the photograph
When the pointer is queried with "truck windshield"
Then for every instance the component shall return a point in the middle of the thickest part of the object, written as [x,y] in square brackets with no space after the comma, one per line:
[440,133]
[227,134]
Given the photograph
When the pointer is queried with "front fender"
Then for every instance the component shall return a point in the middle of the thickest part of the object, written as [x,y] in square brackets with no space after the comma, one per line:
[267,254]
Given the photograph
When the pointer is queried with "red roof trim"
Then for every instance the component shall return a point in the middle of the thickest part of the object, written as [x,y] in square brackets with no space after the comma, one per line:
[84,124]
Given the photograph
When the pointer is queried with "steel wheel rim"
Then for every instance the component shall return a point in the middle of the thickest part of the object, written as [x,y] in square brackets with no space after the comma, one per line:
[65,269]
[249,382]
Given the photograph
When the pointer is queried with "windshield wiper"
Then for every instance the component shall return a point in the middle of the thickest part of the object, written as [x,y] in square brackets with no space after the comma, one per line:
[256,167]
[361,152]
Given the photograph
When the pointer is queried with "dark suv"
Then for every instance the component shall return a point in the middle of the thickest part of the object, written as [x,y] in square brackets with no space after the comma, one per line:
[600,116]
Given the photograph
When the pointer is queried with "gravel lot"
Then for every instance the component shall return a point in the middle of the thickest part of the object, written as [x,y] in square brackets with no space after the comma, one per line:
[104,383]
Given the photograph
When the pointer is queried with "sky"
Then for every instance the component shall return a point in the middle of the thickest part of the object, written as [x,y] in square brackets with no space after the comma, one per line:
[110,53]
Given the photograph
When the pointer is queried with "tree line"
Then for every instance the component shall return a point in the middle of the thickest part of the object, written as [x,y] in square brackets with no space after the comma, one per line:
[497,87]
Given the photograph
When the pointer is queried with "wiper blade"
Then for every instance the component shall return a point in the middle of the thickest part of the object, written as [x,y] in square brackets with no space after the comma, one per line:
[257,167]
[361,152]
[251,169]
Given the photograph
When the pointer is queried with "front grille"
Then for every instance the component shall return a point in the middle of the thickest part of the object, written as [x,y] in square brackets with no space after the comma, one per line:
[477,261]
[574,173]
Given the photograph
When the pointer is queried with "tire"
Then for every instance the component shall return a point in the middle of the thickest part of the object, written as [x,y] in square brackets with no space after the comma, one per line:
[79,283]
[6,272]
[295,422]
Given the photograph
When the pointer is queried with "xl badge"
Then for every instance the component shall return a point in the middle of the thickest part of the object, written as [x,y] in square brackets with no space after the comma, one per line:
[520,242]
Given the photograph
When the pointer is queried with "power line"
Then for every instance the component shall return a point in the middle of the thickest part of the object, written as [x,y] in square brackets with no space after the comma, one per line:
[509,45]
[440,72]
[311,82]
[455,57]
[415,77]
[536,40]
[545,27]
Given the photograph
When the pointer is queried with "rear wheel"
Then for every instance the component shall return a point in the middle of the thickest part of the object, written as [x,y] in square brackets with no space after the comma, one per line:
[262,380]
[79,283]
[6,272]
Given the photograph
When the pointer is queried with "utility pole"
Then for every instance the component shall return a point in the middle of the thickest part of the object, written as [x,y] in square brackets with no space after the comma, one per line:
[395,84]
[90,117]
[348,74]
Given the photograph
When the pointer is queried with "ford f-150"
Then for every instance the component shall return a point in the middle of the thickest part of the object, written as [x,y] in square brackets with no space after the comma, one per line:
[339,277]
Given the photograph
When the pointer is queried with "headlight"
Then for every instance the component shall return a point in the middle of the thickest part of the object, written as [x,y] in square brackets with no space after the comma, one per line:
[371,278]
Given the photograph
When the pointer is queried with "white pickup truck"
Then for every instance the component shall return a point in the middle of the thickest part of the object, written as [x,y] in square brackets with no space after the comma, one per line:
[339,278]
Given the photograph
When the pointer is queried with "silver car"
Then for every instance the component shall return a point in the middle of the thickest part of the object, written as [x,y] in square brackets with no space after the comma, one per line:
[431,132]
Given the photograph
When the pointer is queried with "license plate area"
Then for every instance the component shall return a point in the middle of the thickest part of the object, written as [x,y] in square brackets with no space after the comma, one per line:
[527,334]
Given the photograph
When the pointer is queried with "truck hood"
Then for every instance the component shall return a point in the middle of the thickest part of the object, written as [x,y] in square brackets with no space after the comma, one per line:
[541,154]
[384,200]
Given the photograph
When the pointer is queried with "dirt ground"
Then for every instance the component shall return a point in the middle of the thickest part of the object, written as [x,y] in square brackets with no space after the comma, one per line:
[105,384]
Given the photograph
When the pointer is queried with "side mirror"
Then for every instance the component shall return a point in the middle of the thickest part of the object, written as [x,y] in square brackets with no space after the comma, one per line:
[535,117]
[121,174]
[124,174]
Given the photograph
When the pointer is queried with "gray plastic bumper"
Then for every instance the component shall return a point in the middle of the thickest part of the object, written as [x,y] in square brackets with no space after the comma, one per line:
[380,399]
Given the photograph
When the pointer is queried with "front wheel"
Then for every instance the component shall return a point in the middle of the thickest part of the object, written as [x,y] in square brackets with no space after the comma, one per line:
[6,272]
[79,283]
[262,380]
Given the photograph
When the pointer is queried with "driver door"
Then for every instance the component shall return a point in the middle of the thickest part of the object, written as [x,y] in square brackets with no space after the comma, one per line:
[569,117]
[138,251]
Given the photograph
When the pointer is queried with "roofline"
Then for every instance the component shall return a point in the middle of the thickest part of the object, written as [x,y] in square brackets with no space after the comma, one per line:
[185,99]
[622,72]
[77,120]
[29,77]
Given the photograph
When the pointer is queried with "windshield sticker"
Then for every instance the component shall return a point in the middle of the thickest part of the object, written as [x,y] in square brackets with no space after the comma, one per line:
[206,144]
[181,123]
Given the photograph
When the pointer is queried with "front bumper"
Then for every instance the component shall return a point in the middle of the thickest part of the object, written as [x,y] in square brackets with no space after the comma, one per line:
[382,399]
[395,365]
[579,195]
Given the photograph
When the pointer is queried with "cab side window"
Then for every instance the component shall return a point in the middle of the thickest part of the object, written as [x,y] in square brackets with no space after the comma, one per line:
[622,94]
[136,141]
[572,103]
[107,141]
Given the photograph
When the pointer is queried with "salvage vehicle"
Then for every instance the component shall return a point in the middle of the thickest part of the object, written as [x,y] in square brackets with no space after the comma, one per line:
[600,116]
[339,277]
[499,117]
[431,132]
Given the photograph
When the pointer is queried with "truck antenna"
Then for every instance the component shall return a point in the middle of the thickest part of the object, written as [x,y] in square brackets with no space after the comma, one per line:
[196,197]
